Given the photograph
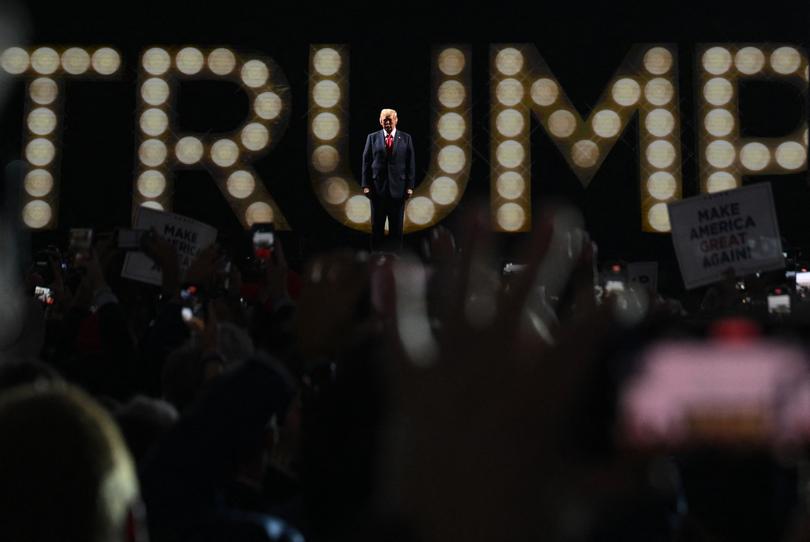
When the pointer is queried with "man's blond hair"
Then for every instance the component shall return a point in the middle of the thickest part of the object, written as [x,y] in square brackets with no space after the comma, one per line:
[385,112]
[66,473]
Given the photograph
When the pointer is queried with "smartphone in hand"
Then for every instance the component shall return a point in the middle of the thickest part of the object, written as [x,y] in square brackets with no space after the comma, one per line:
[44,295]
[193,303]
[802,278]
[779,301]
[263,238]
[79,245]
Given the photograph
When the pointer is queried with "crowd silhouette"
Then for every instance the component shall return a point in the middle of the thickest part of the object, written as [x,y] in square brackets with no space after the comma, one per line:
[418,396]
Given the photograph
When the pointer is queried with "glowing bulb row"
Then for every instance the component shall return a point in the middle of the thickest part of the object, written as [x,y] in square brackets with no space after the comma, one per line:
[751,60]
[328,92]
[660,165]
[449,169]
[72,61]
[40,153]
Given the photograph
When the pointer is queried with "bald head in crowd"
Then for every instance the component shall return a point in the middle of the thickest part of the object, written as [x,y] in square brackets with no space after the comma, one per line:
[65,472]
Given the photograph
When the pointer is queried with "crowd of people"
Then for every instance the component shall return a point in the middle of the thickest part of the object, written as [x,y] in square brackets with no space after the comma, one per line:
[419,396]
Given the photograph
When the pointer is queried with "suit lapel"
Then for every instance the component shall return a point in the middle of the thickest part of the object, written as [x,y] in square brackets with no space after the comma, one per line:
[394,143]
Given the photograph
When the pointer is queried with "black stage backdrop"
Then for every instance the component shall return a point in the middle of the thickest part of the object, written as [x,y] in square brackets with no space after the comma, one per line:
[390,66]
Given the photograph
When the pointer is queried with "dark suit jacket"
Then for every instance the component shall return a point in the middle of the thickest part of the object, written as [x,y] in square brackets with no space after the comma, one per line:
[396,173]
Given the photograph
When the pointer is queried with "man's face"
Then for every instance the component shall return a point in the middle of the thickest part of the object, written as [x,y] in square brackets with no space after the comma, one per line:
[389,122]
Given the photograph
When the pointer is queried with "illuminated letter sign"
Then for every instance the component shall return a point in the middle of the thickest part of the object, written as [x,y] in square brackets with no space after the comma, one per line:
[226,156]
[522,82]
[46,68]
[724,155]
[332,179]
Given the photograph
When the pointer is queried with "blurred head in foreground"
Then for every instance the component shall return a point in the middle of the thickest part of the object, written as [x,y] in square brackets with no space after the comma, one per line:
[65,470]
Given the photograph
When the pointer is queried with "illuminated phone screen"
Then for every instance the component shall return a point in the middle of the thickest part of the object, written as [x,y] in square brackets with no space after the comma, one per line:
[779,303]
[44,295]
[263,238]
[513,267]
[614,286]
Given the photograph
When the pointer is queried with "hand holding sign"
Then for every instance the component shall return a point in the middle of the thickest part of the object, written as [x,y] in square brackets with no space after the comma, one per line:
[202,269]
[186,236]
[734,229]
[164,256]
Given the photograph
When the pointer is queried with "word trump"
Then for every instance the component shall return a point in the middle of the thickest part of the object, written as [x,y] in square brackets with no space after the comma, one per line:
[522,87]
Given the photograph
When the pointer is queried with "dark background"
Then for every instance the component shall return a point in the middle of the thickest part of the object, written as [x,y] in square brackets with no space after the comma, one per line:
[390,65]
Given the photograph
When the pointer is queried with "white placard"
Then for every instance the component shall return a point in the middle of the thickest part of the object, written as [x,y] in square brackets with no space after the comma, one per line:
[734,229]
[188,236]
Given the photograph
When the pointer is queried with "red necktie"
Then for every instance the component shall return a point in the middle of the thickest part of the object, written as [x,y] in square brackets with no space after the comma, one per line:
[389,142]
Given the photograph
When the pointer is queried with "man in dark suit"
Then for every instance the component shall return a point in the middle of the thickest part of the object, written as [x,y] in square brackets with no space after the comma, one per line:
[389,172]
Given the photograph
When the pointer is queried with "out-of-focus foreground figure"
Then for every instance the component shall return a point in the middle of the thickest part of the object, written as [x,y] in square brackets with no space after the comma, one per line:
[66,473]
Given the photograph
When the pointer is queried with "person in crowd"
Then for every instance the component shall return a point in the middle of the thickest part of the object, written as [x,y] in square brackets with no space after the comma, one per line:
[380,398]
[66,472]
[144,421]
[27,344]
[220,439]
[16,372]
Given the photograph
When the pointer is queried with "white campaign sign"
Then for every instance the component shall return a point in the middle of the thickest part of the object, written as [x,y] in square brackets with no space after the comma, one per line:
[188,236]
[735,229]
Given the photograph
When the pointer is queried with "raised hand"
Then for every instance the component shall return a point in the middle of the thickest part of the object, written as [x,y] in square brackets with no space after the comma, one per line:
[63,297]
[202,269]
[274,288]
[478,414]
[326,311]
[92,279]
[164,255]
